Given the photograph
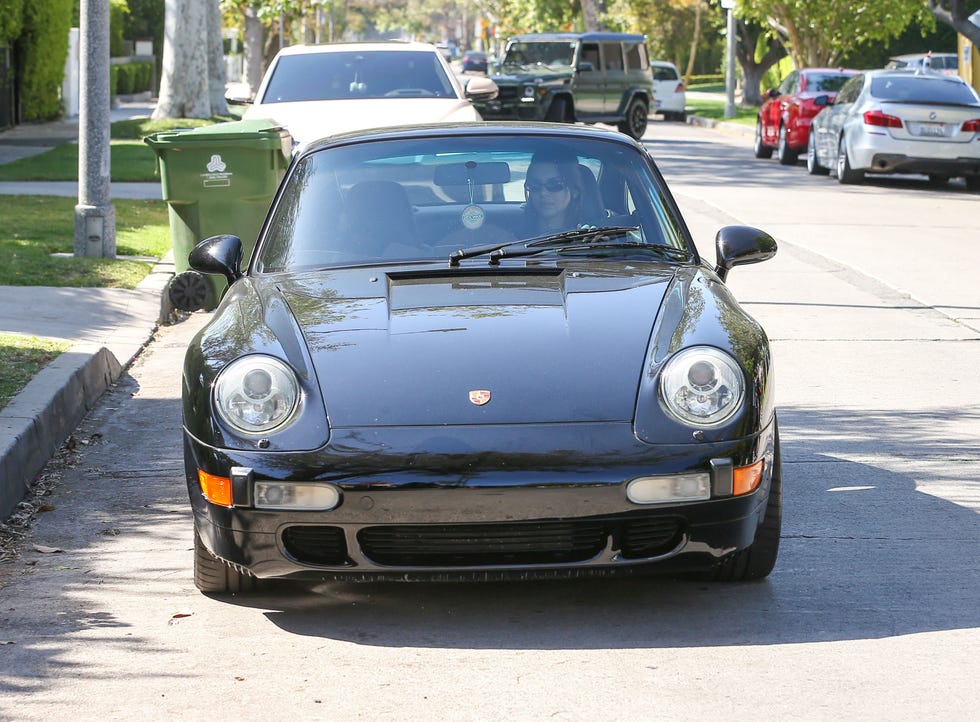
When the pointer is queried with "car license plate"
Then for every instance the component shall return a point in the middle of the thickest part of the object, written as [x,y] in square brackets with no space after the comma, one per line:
[931,130]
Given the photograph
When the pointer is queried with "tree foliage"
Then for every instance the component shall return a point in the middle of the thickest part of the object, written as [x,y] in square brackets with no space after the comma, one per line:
[818,32]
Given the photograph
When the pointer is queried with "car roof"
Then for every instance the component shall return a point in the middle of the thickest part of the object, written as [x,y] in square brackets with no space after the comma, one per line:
[663,64]
[919,56]
[631,37]
[461,129]
[397,45]
[906,72]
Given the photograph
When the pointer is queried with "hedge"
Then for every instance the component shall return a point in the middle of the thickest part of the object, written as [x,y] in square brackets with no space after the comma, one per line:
[130,78]
[42,51]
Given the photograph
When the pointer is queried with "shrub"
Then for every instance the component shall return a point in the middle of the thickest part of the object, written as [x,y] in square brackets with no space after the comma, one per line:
[42,50]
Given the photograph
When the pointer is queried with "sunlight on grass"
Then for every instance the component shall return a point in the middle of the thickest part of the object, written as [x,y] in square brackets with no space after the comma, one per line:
[21,357]
[35,227]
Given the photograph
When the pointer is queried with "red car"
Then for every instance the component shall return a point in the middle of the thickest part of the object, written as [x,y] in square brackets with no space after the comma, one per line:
[784,119]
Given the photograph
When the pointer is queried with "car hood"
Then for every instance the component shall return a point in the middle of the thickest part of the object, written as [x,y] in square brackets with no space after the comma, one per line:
[409,348]
[310,120]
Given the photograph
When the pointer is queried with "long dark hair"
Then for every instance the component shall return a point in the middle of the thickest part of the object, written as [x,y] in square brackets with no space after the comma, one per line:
[570,172]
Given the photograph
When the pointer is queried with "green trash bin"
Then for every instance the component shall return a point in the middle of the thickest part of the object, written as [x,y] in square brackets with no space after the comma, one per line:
[219,179]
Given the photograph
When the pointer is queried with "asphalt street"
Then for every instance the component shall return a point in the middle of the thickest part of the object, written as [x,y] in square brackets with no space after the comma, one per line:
[871,612]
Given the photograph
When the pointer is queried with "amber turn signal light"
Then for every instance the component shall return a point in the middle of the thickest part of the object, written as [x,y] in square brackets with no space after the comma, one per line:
[746,479]
[216,489]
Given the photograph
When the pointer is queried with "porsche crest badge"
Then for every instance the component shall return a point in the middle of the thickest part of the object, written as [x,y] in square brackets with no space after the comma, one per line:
[479,396]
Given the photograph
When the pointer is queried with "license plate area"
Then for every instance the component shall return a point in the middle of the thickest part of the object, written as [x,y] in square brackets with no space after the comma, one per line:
[928,130]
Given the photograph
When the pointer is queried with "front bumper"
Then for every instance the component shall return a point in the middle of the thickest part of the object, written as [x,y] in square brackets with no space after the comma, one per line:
[480,513]
[512,104]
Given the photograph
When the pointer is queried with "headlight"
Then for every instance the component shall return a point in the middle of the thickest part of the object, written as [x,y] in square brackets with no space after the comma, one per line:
[528,91]
[702,386]
[255,394]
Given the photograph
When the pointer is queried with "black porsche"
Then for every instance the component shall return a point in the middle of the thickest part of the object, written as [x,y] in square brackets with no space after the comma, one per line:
[410,378]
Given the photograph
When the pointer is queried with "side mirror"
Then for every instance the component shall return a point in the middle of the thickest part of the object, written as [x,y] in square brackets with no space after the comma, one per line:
[772,93]
[221,255]
[740,246]
[481,89]
[822,100]
[585,67]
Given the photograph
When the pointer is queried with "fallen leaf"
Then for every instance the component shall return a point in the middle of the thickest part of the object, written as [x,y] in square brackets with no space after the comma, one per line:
[45,507]
[47,550]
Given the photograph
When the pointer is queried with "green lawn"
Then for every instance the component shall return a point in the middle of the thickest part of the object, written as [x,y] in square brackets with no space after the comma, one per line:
[131,159]
[715,109]
[35,227]
[21,357]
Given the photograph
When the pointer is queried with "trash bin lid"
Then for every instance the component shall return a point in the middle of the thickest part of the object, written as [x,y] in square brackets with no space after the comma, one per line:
[258,130]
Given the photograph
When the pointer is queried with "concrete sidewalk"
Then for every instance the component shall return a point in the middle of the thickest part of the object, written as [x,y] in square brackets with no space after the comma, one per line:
[107,327]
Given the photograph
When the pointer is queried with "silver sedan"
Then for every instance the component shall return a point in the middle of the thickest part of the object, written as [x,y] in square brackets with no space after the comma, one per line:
[898,121]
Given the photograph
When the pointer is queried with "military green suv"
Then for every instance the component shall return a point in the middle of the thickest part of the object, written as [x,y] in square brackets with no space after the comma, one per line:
[568,77]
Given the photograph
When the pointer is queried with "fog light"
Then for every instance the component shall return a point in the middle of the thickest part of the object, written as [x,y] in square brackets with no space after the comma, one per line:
[293,495]
[661,489]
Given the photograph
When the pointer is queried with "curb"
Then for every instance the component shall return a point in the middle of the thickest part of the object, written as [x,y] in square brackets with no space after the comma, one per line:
[36,422]
[720,125]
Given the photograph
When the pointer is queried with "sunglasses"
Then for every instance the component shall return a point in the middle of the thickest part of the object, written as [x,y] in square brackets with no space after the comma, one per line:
[552,185]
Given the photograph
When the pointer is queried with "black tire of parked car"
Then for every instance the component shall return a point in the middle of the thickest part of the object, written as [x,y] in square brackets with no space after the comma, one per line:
[635,124]
[785,154]
[761,150]
[813,166]
[558,110]
[972,183]
[758,559]
[213,576]
[846,174]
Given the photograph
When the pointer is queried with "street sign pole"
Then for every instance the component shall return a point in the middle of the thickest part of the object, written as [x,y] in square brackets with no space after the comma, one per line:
[95,218]
[729,5]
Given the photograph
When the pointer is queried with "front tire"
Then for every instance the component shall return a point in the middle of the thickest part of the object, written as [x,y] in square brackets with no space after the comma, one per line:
[635,124]
[785,154]
[557,111]
[758,559]
[760,149]
[973,183]
[846,174]
[213,576]
[813,166]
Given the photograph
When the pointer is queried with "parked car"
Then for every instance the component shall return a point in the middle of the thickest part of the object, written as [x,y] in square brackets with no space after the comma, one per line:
[784,119]
[568,77]
[363,85]
[897,121]
[474,61]
[669,91]
[943,63]
[411,379]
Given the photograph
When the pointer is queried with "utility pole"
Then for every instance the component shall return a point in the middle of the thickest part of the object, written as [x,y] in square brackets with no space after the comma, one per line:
[729,5]
[95,218]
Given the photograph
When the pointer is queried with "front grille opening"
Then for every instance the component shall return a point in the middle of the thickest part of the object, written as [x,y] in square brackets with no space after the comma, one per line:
[650,537]
[454,545]
[316,544]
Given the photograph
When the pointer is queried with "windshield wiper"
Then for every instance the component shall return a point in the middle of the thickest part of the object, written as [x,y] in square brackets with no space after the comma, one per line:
[660,250]
[590,235]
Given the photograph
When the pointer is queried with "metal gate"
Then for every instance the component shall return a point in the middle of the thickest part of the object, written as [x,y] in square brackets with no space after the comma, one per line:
[7,106]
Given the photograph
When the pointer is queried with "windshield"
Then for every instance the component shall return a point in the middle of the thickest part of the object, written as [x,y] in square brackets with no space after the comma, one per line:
[923,89]
[826,82]
[420,200]
[551,54]
[357,74]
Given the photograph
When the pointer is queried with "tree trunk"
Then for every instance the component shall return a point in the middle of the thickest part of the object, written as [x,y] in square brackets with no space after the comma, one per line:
[694,43]
[184,83]
[252,49]
[591,10]
[217,78]
[753,71]
[954,14]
